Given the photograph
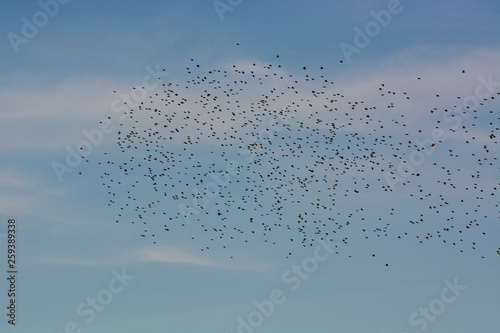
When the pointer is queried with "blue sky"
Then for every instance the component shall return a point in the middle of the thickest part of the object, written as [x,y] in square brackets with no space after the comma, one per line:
[60,82]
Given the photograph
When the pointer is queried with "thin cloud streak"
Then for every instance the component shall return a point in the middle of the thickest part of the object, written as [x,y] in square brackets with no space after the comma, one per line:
[156,254]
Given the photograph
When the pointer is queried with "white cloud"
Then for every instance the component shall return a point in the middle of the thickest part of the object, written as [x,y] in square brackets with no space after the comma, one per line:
[13,178]
[24,194]
[173,255]
[46,117]
[158,254]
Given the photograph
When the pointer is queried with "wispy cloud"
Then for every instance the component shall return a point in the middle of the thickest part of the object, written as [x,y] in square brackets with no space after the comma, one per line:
[13,178]
[50,115]
[172,255]
[158,254]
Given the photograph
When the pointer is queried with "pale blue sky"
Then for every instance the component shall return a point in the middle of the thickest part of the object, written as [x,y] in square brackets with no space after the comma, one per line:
[61,82]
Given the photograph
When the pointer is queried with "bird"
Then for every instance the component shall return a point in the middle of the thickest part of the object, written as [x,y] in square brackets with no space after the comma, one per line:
[263,153]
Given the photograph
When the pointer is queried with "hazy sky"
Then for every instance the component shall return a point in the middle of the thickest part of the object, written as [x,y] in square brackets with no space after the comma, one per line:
[58,78]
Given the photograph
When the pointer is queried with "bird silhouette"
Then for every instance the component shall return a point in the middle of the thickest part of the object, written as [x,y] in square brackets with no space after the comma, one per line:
[256,153]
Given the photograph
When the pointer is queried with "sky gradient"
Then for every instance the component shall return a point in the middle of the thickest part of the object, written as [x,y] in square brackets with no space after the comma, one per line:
[57,82]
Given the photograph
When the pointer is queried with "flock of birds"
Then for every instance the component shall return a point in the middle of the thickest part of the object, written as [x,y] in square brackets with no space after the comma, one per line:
[251,153]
